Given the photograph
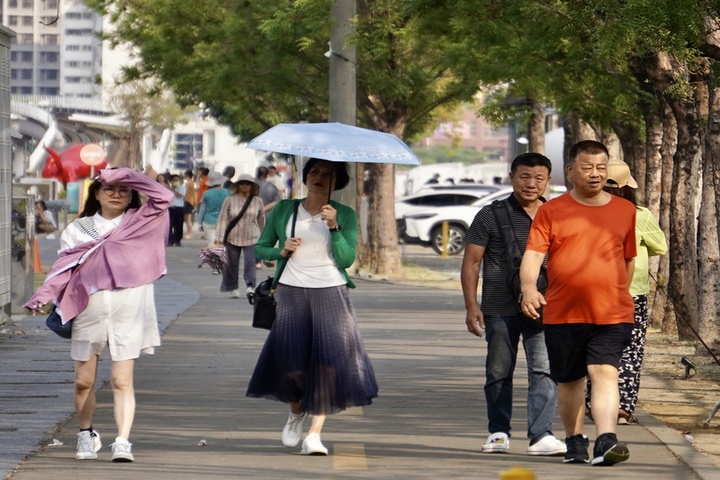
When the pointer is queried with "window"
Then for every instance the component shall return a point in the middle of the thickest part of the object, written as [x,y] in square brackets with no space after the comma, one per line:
[74,15]
[49,91]
[26,74]
[71,64]
[26,91]
[49,39]
[87,48]
[26,56]
[86,64]
[27,3]
[210,136]
[72,79]
[48,57]
[25,39]
[27,20]
[73,31]
[12,3]
[13,56]
[13,74]
[12,20]
[72,48]
[49,74]
[88,15]
[50,4]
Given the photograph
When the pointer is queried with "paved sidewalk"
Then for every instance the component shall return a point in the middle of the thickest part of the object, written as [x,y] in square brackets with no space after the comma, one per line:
[429,421]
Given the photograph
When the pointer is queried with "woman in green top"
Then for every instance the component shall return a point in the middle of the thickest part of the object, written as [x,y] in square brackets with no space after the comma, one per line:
[313,358]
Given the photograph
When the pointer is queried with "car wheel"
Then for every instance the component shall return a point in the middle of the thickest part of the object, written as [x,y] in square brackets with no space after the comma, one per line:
[456,239]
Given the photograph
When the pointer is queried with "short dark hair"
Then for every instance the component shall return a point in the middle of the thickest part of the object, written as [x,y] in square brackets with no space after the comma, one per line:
[228,171]
[41,203]
[261,172]
[342,177]
[531,159]
[204,171]
[92,205]
[591,147]
[189,174]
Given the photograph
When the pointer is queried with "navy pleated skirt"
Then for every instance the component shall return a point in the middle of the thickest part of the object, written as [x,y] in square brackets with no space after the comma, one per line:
[314,354]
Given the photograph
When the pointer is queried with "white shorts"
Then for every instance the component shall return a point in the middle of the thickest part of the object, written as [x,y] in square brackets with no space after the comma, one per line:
[124,319]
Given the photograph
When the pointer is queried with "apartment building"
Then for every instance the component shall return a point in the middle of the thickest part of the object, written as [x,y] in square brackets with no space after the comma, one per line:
[56,50]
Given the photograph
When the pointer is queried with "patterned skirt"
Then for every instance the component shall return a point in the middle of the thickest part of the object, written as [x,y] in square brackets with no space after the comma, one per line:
[314,354]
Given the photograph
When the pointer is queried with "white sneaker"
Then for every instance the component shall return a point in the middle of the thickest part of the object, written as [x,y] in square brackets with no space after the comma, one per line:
[497,442]
[313,446]
[250,291]
[292,432]
[548,445]
[122,450]
[88,445]
[235,294]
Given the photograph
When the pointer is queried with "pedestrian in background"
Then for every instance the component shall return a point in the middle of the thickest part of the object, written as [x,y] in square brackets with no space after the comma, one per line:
[277,180]
[589,238]
[202,180]
[44,221]
[270,195]
[242,237]
[313,358]
[177,210]
[210,206]
[500,318]
[228,172]
[103,280]
[650,241]
[189,203]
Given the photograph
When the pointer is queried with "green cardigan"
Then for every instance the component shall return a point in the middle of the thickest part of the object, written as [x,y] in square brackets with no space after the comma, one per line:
[344,242]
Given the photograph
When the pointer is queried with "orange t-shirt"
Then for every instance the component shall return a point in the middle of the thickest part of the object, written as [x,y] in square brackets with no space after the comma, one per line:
[201,189]
[587,248]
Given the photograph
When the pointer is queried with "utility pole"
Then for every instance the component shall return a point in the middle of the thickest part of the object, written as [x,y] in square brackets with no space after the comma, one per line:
[343,95]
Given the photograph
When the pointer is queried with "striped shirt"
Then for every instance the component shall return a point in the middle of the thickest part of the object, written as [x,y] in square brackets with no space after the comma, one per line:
[497,299]
[247,231]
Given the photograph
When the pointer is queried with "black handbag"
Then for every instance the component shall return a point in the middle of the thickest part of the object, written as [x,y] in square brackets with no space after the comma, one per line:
[501,212]
[263,300]
[54,323]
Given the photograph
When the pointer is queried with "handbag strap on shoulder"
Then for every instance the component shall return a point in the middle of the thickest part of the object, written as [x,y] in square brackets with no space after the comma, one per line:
[501,212]
[292,234]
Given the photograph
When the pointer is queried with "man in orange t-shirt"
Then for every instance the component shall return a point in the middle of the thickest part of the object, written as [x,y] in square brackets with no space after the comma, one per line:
[589,238]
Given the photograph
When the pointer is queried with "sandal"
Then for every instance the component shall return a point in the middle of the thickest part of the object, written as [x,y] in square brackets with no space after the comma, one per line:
[625,418]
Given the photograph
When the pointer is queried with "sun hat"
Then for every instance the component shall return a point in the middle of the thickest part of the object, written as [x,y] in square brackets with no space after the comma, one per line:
[215,179]
[249,178]
[618,175]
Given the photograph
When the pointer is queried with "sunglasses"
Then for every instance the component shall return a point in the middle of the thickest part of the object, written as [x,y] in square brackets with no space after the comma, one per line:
[121,191]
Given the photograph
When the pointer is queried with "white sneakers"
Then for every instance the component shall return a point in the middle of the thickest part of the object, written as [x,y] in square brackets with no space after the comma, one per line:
[497,442]
[547,445]
[313,446]
[122,450]
[235,294]
[88,445]
[292,433]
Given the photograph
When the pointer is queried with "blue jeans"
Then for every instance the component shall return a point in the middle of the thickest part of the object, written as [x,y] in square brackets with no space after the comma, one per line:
[503,336]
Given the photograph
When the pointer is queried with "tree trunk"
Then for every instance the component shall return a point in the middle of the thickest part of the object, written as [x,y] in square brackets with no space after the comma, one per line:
[662,313]
[383,257]
[653,179]
[708,247]
[683,281]
[536,128]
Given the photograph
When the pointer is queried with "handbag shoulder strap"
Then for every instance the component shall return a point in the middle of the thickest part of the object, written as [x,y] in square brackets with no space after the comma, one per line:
[292,234]
[235,220]
[501,211]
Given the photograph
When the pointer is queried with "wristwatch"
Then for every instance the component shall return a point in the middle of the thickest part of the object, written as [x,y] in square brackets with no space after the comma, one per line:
[336,228]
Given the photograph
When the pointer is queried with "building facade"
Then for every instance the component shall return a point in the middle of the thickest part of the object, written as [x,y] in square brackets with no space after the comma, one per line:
[56,50]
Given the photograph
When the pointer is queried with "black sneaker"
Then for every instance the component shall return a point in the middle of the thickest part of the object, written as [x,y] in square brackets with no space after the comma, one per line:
[609,450]
[577,449]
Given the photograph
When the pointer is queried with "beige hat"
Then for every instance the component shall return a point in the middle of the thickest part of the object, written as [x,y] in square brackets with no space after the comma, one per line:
[249,178]
[215,179]
[618,175]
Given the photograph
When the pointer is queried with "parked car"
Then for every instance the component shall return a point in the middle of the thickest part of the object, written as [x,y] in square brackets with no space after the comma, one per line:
[441,197]
[425,226]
